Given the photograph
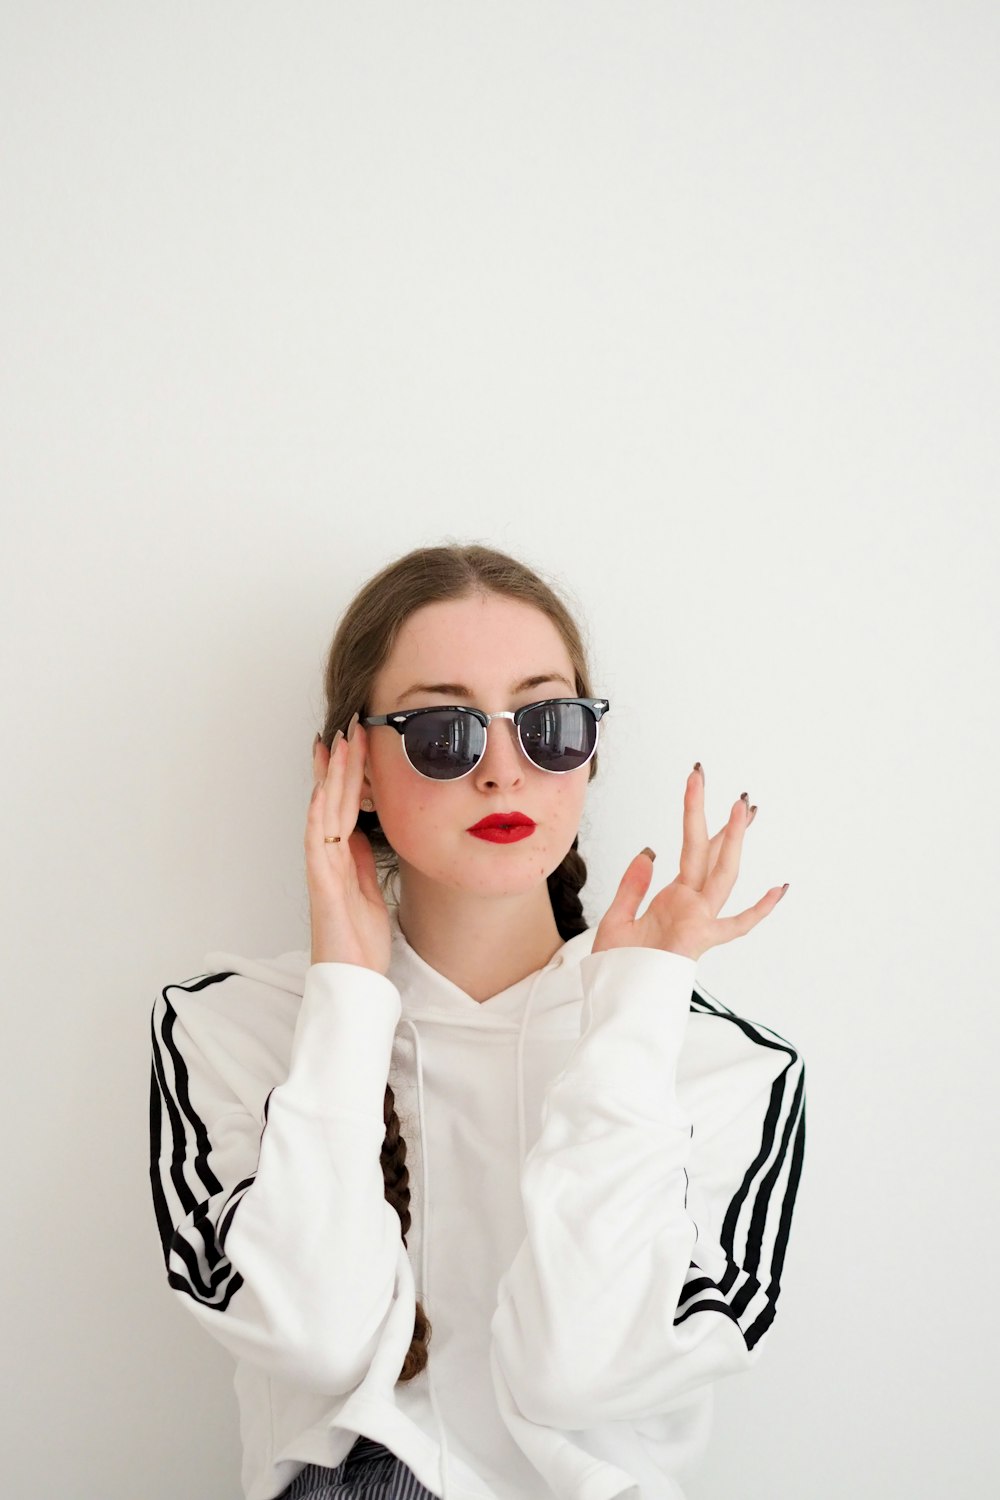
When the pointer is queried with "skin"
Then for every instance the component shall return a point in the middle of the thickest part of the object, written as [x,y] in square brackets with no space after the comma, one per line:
[477,912]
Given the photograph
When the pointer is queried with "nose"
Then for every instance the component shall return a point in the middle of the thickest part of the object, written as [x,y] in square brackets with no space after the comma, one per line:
[503,762]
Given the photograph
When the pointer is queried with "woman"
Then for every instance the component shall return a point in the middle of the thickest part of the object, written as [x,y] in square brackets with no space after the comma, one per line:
[603,1159]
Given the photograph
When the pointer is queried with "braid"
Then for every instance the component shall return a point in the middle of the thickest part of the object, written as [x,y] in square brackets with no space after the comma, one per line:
[397,1191]
[565,884]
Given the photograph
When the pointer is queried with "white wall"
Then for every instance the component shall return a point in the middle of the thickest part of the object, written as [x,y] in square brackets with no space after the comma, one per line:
[693,306]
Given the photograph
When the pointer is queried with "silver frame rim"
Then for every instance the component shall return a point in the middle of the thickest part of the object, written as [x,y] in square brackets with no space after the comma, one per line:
[506,713]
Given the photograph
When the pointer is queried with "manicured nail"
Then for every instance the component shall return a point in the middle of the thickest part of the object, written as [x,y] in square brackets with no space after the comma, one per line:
[647,851]
[336,741]
[350,727]
[784,888]
[697,766]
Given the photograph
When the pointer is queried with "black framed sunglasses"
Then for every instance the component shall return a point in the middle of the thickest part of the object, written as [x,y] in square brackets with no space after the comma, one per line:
[444,744]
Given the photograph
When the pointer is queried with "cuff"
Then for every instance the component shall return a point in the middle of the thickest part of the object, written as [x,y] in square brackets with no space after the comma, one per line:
[636,1002]
[342,1044]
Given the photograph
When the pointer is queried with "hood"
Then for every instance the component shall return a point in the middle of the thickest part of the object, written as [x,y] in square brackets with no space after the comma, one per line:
[428,996]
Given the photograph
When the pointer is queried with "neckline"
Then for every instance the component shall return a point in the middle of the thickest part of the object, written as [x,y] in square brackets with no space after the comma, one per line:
[502,1000]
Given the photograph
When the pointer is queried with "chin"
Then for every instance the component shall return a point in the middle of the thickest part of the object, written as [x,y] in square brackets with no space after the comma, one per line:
[496,881]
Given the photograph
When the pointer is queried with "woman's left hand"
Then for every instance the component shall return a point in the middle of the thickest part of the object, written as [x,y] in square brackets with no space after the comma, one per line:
[683,917]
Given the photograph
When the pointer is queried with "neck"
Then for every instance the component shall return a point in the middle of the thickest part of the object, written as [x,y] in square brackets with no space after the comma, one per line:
[483,944]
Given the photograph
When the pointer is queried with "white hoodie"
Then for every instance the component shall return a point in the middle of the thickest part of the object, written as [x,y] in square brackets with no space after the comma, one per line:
[603,1161]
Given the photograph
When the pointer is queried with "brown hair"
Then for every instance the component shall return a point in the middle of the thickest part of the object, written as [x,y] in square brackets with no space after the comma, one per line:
[362,644]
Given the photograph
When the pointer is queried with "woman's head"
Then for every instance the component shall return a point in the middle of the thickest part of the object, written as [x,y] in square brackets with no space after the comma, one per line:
[484,624]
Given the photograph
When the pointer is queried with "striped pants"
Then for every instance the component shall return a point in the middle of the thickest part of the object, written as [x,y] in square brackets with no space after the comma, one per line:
[369,1472]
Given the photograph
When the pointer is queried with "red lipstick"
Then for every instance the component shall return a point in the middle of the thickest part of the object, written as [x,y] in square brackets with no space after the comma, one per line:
[503,828]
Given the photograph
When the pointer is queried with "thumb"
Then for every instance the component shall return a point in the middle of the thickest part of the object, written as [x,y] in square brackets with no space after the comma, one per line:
[632,888]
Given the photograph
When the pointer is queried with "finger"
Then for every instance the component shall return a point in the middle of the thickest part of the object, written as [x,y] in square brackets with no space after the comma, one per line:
[727,928]
[311,813]
[354,774]
[332,784]
[317,801]
[694,849]
[695,859]
[631,889]
[315,815]
[715,842]
[323,754]
[321,759]
[334,743]
[718,887]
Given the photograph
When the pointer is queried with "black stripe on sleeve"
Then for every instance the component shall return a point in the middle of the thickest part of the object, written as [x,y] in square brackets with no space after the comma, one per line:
[766,1318]
[757,1221]
[229,1213]
[193,1209]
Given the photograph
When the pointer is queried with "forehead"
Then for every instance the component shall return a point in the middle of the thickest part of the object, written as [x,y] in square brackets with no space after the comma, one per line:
[487,643]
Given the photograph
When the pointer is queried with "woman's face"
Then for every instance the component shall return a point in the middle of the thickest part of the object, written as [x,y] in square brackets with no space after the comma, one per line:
[480,650]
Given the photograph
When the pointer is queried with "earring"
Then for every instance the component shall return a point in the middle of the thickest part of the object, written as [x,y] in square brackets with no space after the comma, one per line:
[367,805]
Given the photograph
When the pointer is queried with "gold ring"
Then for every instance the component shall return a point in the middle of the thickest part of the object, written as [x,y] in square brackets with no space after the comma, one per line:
[335,839]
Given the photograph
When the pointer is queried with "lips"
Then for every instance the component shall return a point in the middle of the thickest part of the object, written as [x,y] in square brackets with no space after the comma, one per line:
[503,820]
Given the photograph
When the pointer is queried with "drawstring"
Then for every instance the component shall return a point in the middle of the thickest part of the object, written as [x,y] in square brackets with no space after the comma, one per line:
[425,1165]
[520,1071]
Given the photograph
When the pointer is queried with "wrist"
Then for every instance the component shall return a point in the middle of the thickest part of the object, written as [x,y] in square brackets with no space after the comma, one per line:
[678,949]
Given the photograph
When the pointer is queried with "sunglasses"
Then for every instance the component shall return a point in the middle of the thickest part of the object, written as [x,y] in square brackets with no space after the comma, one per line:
[445,744]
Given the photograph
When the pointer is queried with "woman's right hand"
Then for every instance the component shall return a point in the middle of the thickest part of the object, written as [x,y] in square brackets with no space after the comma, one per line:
[349,920]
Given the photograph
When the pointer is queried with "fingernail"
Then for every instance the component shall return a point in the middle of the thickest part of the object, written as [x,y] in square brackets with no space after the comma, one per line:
[647,851]
[784,888]
[316,741]
[753,813]
[350,727]
[336,740]
[697,766]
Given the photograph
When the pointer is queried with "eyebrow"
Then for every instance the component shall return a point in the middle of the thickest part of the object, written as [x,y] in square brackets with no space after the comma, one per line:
[459,690]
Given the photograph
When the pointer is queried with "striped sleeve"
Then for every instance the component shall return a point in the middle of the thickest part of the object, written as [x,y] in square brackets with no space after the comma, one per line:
[758,1190]
[193,1208]
[657,1219]
[275,1231]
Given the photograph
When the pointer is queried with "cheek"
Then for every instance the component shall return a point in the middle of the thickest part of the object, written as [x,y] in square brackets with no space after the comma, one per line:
[411,809]
[570,795]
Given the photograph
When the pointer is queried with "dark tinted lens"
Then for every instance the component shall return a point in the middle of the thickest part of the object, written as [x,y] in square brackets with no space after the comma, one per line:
[444,745]
[559,736]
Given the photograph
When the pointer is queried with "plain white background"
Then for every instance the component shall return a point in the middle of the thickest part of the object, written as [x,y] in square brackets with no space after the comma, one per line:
[693,307]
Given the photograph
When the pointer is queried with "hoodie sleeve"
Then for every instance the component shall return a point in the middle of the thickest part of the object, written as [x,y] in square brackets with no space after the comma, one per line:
[276,1232]
[653,1252]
